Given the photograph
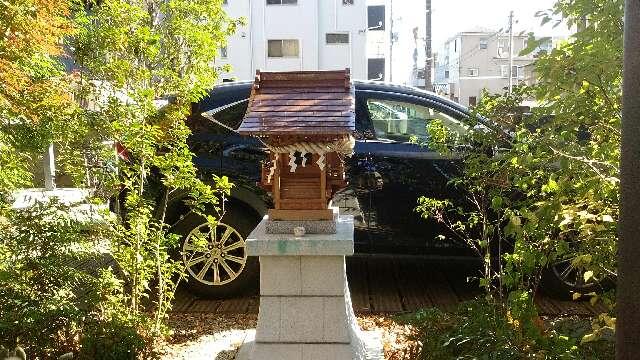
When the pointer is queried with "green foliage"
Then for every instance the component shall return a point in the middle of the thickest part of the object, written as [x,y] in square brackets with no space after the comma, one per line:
[140,66]
[549,191]
[36,108]
[553,187]
[114,339]
[40,249]
[148,62]
[482,329]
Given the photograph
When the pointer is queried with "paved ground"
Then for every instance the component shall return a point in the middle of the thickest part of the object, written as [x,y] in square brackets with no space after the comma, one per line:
[384,285]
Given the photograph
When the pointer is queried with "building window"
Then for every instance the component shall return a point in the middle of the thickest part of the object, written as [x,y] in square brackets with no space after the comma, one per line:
[375,69]
[375,17]
[446,74]
[455,45]
[503,48]
[283,48]
[223,52]
[347,2]
[282,2]
[337,38]
[473,100]
[516,71]
[473,71]
[225,2]
[484,43]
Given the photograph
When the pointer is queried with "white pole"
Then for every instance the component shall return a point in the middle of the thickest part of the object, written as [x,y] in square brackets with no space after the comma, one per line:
[49,169]
[510,51]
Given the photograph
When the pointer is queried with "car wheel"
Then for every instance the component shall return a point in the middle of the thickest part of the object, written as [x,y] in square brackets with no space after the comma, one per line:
[215,257]
[561,280]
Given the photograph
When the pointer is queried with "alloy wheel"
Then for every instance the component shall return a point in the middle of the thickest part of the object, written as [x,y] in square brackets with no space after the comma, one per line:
[214,255]
[570,275]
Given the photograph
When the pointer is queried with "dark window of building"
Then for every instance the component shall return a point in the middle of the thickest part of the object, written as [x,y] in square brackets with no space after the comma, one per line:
[376,69]
[375,15]
[337,38]
[223,52]
[282,2]
[347,2]
[455,45]
[446,74]
[283,48]
[473,100]
[484,43]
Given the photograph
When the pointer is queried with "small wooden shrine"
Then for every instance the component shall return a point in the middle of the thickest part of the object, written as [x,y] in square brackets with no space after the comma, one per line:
[306,120]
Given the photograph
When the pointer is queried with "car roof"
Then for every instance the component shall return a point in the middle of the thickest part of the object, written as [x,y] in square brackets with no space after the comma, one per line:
[227,93]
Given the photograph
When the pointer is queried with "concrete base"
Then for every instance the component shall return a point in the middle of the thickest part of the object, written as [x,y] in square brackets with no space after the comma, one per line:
[310,226]
[305,305]
[249,349]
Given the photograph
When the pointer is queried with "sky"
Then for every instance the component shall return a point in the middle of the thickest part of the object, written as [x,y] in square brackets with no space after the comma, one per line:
[453,16]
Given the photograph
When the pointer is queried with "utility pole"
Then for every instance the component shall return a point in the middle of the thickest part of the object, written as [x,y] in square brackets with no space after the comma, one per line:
[628,282]
[510,51]
[390,40]
[427,48]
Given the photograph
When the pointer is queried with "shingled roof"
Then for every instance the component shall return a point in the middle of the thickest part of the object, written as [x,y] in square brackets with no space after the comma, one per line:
[300,103]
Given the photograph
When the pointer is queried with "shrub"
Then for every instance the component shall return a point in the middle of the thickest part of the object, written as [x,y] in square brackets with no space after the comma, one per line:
[483,329]
[115,339]
[39,278]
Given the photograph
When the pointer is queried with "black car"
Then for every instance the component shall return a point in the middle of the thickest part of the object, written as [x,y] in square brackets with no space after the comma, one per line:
[386,175]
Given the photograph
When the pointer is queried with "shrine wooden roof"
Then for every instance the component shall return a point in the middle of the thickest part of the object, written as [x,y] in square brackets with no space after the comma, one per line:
[300,103]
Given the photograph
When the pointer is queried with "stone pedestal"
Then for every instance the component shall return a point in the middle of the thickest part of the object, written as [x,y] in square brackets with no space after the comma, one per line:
[305,307]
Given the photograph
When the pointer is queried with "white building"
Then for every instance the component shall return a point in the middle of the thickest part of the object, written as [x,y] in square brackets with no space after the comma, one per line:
[477,60]
[290,35]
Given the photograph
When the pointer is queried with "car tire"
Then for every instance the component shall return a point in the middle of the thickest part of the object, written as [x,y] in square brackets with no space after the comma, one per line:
[561,282]
[225,276]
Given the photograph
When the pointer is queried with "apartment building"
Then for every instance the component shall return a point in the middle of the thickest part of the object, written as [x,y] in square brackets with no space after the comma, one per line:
[475,60]
[290,35]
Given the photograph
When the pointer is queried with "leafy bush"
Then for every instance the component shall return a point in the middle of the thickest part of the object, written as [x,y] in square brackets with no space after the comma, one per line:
[40,249]
[115,339]
[545,194]
[483,329]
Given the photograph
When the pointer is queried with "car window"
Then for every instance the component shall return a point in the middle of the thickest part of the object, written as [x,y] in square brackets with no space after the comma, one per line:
[400,121]
[226,118]
[233,115]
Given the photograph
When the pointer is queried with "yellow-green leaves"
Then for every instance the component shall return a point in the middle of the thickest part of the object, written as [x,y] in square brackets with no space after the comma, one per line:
[550,186]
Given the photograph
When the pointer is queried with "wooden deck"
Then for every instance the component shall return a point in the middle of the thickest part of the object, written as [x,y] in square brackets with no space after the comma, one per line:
[396,285]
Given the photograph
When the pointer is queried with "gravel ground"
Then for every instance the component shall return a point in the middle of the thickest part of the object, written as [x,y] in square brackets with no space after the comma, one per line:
[217,336]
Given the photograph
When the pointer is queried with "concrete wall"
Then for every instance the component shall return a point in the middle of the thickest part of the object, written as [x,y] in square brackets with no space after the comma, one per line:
[339,18]
[239,44]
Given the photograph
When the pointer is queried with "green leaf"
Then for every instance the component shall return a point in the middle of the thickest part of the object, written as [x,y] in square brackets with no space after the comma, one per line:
[496,202]
[588,275]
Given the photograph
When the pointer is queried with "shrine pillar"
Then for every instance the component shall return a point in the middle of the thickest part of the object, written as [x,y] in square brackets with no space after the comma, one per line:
[305,306]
